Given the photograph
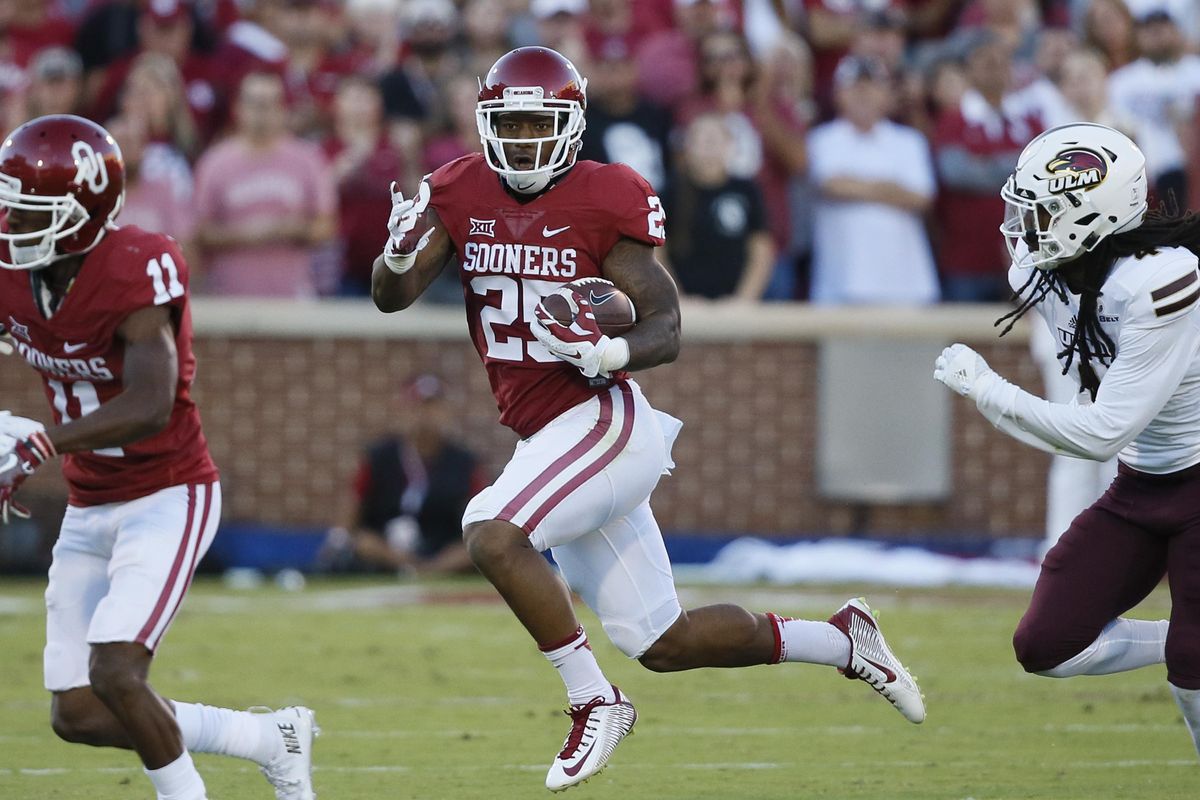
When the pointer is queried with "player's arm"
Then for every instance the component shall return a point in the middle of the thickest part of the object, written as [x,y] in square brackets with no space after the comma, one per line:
[417,250]
[1150,363]
[144,406]
[635,270]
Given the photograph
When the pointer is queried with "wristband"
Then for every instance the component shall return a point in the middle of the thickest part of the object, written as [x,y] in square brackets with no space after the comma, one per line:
[615,356]
[399,263]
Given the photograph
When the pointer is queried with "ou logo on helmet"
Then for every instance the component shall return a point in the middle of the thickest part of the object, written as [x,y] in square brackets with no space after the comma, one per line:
[90,169]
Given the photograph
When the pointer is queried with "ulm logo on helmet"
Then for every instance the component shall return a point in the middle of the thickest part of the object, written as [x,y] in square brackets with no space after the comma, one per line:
[1077,168]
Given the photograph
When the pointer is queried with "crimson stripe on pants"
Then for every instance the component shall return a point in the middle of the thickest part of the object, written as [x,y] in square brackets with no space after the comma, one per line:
[191,568]
[562,462]
[591,470]
[165,595]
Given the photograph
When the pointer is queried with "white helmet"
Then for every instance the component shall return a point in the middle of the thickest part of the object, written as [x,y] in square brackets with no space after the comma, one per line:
[1073,186]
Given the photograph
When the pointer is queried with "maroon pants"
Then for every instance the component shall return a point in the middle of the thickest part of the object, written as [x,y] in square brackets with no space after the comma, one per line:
[1111,557]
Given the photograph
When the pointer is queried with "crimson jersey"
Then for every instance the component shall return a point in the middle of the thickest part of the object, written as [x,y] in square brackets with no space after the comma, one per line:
[511,254]
[80,357]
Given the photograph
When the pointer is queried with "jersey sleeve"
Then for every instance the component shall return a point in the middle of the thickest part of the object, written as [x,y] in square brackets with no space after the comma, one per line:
[147,270]
[1171,292]
[636,211]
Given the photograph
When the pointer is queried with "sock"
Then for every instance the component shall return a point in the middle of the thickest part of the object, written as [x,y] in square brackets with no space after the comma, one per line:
[576,665]
[207,729]
[1188,701]
[1124,644]
[809,641]
[178,780]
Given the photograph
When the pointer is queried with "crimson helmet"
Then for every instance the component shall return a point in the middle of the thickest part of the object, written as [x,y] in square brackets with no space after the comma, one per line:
[532,80]
[69,168]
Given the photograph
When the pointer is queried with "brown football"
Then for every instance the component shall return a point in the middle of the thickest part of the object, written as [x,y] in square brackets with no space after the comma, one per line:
[614,310]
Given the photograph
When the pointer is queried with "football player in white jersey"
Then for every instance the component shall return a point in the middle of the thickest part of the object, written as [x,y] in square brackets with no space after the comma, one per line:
[1120,291]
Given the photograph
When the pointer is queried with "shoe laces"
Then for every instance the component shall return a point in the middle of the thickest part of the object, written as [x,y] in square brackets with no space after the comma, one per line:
[581,723]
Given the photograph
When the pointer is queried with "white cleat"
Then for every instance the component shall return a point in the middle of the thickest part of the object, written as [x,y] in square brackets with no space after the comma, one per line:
[290,771]
[871,660]
[596,730]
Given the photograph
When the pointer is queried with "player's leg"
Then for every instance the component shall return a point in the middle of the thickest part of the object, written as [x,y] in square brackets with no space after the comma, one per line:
[591,464]
[1183,637]
[1104,565]
[622,572]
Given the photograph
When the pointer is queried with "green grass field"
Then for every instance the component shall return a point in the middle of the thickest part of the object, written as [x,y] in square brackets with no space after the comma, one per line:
[433,691]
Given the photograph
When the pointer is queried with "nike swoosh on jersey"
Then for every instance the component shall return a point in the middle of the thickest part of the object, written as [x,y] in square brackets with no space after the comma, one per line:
[548,231]
[73,348]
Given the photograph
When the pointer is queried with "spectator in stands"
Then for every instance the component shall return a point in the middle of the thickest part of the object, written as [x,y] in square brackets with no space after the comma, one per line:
[410,493]
[1108,28]
[560,27]
[54,85]
[458,133]
[373,27]
[414,90]
[317,62]
[1084,85]
[669,59]
[975,149]
[264,200]
[167,28]
[621,126]
[31,26]
[364,164]
[154,93]
[832,27]
[727,251]
[158,183]
[485,31]
[1160,90]
[875,182]
[254,43]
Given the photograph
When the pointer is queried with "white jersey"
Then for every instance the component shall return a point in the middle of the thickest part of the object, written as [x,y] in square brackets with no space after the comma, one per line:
[1147,410]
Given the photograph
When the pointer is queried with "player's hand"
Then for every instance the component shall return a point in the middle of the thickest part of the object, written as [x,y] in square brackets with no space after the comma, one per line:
[7,344]
[20,458]
[963,370]
[581,343]
[400,252]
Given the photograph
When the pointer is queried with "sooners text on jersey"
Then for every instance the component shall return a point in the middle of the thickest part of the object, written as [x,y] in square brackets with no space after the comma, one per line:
[80,359]
[512,253]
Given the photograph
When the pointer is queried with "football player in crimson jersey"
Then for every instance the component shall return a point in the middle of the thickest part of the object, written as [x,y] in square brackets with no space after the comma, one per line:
[1120,291]
[101,313]
[524,218]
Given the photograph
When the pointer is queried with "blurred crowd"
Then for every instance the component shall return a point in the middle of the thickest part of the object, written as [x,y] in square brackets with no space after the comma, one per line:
[838,151]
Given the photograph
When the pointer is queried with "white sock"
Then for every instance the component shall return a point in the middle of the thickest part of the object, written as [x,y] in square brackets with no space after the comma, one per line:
[1124,644]
[577,667]
[178,780]
[207,729]
[810,641]
[1188,701]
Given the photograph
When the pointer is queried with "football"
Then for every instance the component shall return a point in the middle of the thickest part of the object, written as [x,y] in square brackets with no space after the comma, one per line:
[614,310]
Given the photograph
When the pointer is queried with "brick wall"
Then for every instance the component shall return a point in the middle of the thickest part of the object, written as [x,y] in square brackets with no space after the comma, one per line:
[286,414]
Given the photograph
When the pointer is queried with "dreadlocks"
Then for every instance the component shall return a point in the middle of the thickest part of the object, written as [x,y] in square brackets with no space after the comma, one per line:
[1161,229]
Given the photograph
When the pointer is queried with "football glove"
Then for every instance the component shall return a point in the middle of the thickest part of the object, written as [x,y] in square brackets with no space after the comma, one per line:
[7,345]
[20,458]
[400,253]
[581,343]
[963,370]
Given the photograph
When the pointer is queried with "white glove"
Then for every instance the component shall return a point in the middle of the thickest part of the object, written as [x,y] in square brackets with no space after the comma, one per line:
[13,429]
[963,370]
[24,447]
[581,343]
[399,255]
[6,343]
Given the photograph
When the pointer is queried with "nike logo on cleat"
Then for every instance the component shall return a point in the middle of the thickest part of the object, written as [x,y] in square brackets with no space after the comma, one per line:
[891,676]
[291,742]
[571,772]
